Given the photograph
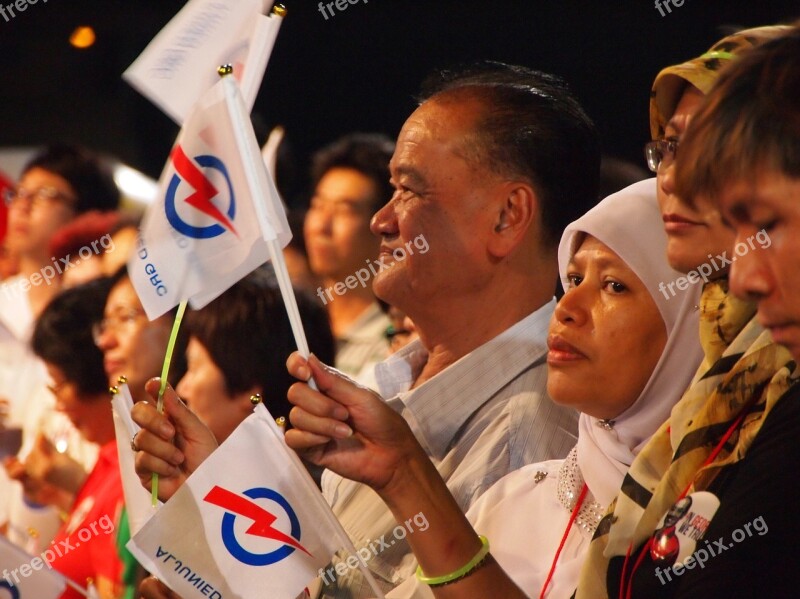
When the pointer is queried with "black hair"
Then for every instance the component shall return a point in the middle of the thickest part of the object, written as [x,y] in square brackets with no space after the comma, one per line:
[63,335]
[247,333]
[531,126]
[87,175]
[367,153]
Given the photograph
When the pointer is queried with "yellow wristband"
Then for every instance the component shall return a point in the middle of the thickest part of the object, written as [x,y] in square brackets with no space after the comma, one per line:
[462,572]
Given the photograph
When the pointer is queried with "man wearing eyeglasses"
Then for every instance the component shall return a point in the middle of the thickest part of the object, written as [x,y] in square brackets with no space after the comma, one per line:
[56,186]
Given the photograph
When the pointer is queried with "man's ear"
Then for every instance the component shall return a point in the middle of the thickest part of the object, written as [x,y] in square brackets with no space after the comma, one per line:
[518,211]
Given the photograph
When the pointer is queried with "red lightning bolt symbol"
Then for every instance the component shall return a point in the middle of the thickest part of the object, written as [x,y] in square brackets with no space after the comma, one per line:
[262,519]
[204,190]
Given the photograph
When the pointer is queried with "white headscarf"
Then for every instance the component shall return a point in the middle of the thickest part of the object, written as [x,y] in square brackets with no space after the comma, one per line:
[629,223]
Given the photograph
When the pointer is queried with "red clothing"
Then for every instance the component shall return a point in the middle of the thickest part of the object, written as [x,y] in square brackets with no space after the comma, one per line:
[5,183]
[85,547]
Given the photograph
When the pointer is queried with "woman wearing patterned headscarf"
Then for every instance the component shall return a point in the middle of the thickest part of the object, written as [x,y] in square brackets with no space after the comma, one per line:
[652,547]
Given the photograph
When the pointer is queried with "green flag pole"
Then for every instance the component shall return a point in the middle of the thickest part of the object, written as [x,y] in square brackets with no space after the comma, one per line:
[173,336]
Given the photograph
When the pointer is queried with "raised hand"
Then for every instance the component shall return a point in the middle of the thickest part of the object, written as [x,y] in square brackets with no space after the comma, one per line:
[172,444]
[152,588]
[345,427]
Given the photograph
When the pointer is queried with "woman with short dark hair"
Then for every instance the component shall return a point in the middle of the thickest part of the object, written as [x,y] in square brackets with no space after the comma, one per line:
[237,347]
[63,340]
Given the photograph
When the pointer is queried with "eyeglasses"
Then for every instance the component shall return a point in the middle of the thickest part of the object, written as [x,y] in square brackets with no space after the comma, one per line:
[38,198]
[660,152]
[123,322]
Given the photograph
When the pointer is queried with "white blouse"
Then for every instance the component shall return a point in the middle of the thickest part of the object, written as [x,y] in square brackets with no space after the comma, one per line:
[524,516]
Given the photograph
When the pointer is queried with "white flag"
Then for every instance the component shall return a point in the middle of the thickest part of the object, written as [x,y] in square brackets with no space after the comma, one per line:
[25,576]
[248,523]
[207,229]
[178,66]
[138,501]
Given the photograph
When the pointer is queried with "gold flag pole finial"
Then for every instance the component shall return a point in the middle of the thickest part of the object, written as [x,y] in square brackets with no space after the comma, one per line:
[225,70]
[279,10]
[255,399]
[113,390]
[122,380]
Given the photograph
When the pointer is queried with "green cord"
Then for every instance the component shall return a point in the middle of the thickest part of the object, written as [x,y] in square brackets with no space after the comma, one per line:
[718,54]
[173,336]
[462,572]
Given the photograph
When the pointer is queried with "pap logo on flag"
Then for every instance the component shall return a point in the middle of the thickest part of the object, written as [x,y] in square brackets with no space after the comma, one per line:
[197,189]
[264,525]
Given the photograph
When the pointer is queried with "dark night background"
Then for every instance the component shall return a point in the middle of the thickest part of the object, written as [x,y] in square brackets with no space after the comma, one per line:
[358,70]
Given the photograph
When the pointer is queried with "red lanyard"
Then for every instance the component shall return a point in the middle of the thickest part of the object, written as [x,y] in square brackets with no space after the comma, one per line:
[572,518]
[625,593]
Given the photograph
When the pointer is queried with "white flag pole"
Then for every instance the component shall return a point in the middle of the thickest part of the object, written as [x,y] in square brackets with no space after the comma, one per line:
[76,587]
[253,165]
[261,44]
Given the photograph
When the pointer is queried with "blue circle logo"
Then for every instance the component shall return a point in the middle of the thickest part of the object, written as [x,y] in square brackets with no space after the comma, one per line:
[187,174]
[236,506]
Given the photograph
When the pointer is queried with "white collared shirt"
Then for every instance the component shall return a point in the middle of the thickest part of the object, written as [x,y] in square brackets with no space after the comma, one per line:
[363,345]
[479,419]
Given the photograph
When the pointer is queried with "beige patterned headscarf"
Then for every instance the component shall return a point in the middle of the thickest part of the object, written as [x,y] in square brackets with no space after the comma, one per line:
[742,364]
[702,72]
[752,368]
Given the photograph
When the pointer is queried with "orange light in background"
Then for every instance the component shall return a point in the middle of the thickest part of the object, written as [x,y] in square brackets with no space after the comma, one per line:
[82,37]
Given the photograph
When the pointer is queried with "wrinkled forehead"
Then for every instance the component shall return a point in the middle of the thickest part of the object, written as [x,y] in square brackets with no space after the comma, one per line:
[587,247]
[440,125]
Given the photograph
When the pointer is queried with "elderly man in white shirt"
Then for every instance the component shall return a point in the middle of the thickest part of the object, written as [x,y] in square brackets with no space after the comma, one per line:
[489,169]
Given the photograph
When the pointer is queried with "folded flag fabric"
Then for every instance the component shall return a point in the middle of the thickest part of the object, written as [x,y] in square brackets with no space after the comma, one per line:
[25,576]
[207,229]
[248,523]
[177,66]
[138,502]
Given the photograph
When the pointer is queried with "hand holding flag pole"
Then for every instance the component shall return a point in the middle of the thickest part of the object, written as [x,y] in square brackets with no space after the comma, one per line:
[258,179]
[173,336]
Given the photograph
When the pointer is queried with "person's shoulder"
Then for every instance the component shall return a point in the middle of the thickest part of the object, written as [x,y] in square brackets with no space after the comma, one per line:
[782,423]
[790,397]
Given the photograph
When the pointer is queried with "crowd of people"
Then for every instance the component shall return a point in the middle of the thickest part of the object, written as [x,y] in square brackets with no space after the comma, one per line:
[622,440]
